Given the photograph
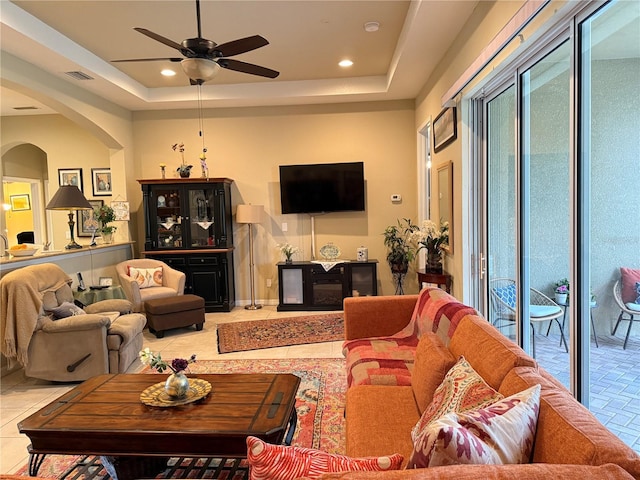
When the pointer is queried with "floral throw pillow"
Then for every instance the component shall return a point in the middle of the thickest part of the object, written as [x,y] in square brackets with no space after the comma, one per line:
[501,433]
[146,277]
[462,389]
[279,462]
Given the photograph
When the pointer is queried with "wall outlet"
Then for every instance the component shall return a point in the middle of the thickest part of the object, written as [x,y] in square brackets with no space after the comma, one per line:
[268,283]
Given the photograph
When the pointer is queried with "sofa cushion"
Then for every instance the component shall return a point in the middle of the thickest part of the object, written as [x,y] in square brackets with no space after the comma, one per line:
[433,361]
[379,361]
[490,353]
[371,428]
[567,431]
[500,433]
[537,471]
[629,277]
[279,462]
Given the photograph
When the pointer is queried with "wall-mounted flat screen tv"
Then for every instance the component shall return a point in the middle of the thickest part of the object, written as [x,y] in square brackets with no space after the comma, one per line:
[324,187]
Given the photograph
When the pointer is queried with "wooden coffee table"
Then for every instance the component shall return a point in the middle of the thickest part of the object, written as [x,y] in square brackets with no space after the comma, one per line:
[104,416]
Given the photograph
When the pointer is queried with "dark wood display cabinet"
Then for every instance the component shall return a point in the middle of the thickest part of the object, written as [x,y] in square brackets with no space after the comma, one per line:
[308,286]
[188,225]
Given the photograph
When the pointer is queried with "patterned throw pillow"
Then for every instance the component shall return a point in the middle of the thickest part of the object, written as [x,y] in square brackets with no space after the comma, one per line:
[629,277]
[278,462]
[146,277]
[501,433]
[461,390]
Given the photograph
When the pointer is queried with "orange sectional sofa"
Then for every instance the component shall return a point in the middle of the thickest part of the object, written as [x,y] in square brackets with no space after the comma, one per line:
[381,409]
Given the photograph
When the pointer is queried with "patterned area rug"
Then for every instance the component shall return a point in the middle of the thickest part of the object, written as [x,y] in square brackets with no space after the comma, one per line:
[280,332]
[319,405]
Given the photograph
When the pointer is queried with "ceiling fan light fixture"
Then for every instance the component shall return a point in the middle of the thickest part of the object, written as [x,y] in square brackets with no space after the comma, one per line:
[200,68]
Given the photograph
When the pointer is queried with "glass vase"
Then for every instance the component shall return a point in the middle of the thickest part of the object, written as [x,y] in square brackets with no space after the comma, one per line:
[177,385]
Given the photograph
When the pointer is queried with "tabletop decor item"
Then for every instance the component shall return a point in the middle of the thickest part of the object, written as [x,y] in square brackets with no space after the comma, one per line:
[433,238]
[330,252]
[203,163]
[163,167]
[183,169]
[177,385]
[288,251]
[105,215]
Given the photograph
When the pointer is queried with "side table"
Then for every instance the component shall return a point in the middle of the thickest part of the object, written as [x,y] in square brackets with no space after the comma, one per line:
[89,296]
[441,279]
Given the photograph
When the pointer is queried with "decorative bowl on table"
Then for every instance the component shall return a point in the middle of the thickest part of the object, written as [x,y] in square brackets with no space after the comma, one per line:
[330,252]
[23,252]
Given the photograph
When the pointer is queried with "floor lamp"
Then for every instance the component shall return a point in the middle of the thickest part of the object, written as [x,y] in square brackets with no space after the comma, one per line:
[250,214]
[69,197]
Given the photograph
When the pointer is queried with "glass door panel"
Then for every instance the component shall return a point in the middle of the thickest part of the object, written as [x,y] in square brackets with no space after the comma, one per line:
[201,217]
[610,152]
[545,190]
[169,217]
[501,210]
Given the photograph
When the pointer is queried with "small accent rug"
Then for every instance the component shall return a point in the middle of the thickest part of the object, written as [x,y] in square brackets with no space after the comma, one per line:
[280,332]
[319,405]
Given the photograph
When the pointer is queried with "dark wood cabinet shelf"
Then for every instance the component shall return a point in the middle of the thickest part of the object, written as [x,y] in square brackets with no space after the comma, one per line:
[308,286]
[188,226]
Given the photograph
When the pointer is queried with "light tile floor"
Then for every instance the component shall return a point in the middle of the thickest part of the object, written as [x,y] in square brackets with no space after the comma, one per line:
[615,378]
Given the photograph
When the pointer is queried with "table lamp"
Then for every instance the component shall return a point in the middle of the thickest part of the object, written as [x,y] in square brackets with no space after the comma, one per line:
[250,214]
[69,197]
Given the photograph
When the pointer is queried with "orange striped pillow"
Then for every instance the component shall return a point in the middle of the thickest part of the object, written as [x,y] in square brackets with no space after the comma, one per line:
[278,462]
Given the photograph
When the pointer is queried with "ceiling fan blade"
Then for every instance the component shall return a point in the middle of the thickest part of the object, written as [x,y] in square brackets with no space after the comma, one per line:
[241,45]
[161,39]
[149,60]
[245,67]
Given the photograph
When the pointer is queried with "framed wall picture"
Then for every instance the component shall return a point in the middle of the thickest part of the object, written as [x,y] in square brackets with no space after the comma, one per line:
[20,202]
[70,176]
[86,220]
[105,281]
[444,128]
[101,181]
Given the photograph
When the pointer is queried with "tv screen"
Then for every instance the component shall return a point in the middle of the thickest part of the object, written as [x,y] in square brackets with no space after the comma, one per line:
[319,188]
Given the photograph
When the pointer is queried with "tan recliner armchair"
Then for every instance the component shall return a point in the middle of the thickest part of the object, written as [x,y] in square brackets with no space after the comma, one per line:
[172,282]
[105,339]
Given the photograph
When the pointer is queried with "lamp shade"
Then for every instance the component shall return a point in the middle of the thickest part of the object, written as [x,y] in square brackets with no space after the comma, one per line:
[249,213]
[69,197]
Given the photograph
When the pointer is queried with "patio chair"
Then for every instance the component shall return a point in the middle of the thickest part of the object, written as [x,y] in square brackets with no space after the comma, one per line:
[631,309]
[541,308]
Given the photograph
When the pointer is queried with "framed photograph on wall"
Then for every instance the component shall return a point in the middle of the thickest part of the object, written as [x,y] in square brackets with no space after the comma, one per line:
[86,220]
[101,181]
[20,202]
[70,176]
[444,128]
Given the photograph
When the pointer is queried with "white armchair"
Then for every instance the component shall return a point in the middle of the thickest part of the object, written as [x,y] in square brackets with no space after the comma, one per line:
[172,282]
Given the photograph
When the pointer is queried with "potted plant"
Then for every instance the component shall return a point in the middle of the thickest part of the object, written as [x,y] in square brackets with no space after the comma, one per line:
[401,250]
[433,238]
[288,251]
[105,215]
[562,291]
[183,169]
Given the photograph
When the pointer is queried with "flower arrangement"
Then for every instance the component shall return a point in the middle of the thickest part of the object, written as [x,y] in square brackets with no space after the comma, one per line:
[177,365]
[184,169]
[562,286]
[203,163]
[105,215]
[432,237]
[288,250]
[398,240]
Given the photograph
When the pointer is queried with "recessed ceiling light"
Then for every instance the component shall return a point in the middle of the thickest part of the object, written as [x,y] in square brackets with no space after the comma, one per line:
[345,63]
[168,73]
[371,26]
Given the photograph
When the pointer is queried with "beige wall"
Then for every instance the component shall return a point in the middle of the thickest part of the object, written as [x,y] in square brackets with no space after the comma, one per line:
[486,21]
[249,144]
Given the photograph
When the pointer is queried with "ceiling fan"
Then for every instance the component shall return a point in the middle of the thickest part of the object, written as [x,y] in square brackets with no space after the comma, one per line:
[203,58]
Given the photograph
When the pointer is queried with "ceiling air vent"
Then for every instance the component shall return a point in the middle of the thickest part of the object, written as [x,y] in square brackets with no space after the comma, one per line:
[26,108]
[79,75]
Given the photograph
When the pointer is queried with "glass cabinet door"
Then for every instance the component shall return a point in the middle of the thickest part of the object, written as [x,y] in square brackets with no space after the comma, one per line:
[201,217]
[168,218]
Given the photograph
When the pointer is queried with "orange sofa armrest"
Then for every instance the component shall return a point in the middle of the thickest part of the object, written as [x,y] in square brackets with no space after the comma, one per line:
[382,316]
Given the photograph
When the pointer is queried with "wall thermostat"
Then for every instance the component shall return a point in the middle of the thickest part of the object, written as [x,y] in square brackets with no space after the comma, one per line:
[396,197]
